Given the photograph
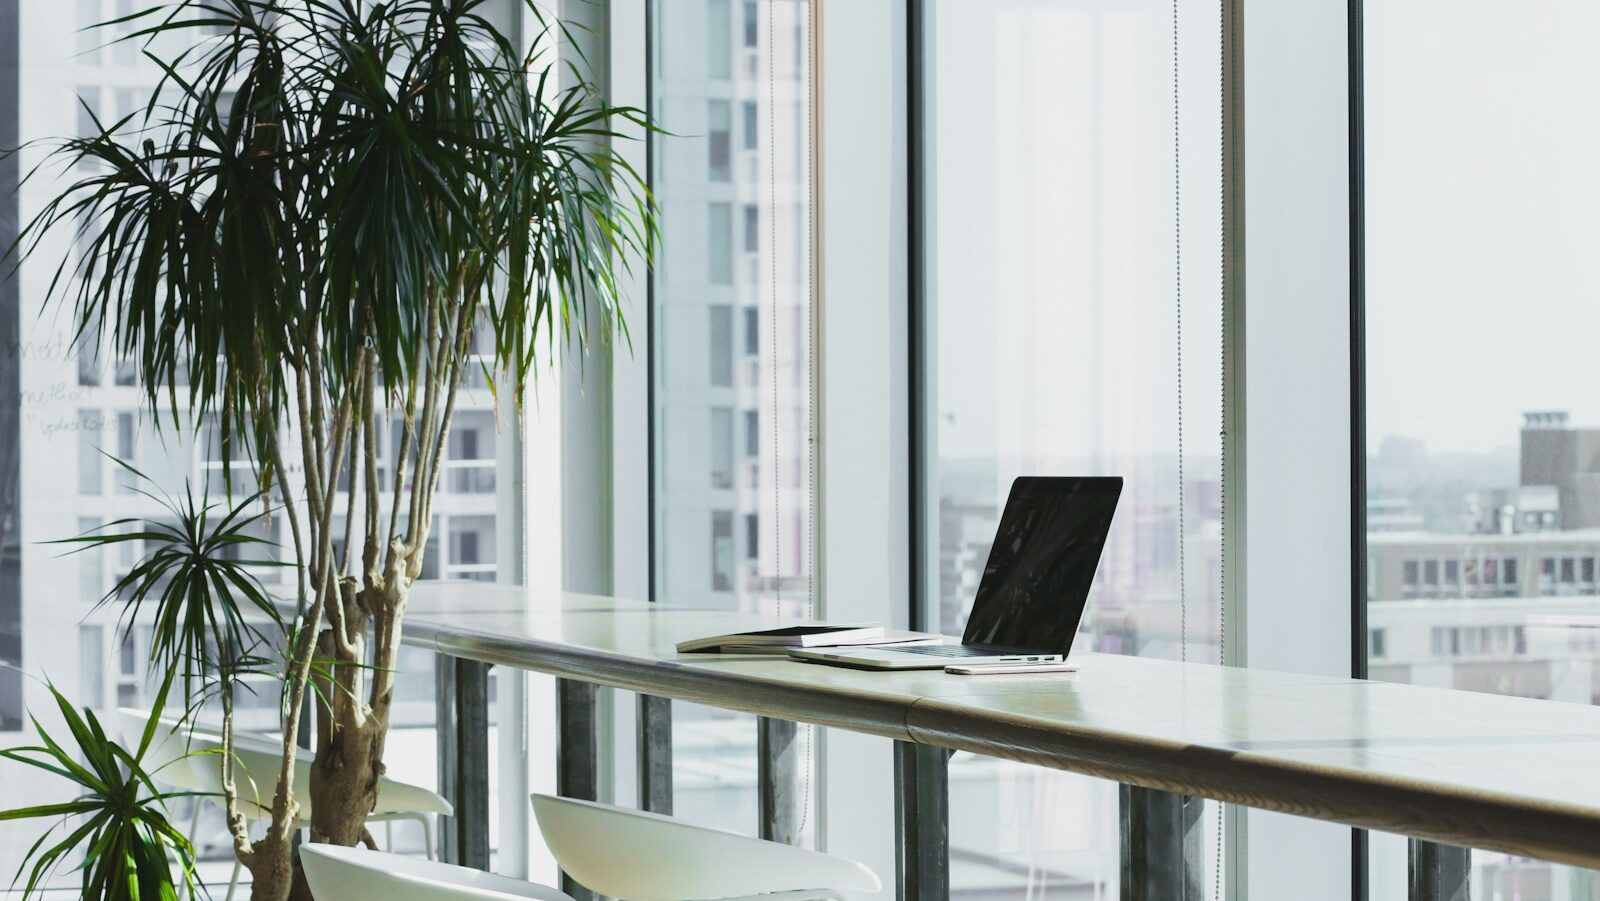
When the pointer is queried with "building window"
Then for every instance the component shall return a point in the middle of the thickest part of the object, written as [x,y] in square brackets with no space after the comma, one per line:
[719,140]
[752,433]
[1452,572]
[471,548]
[128,656]
[752,536]
[752,332]
[126,481]
[719,40]
[752,125]
[721,550]
[1430,573]
[752,228]
[721,448]
[1375,638]
[720,318]
[92,665]
[719,244]
[752,25]
[91,468]
[91,566]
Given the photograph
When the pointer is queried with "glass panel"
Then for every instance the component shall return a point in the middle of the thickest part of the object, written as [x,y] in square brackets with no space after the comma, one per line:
[732,399]
[55,481]
[1481,457]
[763,376]
[1059,343]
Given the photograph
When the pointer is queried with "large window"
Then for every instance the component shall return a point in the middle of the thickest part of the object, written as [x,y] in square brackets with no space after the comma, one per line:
[1483,490]
[66,408]
[732,345]
[1069,168]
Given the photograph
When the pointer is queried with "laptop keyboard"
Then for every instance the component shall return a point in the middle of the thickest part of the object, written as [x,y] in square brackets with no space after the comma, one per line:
[952,650]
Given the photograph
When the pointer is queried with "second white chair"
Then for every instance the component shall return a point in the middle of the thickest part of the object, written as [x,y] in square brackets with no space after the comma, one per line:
[188,759]
[643,856]
[356,874]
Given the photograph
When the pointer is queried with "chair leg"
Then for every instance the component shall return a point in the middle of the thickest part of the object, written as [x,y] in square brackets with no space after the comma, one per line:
[427,835]
[194,828]
[233,881]
[388,836]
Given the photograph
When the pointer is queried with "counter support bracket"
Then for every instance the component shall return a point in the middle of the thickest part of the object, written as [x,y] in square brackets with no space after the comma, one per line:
[1439,872]
[921,821]
[1161,846]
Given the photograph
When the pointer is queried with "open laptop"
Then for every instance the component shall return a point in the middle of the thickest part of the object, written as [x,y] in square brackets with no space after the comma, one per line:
[1034,587]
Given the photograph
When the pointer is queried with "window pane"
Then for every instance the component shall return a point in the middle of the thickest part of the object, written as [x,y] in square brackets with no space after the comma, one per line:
[90,460]
[82,403]
[719,39]
[732,399]
[91,666]
[721,448]
[719,134]
[719,243]
[720,345]
[1476,452]
[1053,331]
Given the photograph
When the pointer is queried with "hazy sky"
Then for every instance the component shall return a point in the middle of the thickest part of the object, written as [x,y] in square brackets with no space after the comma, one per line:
[1483,217]
[1052,213]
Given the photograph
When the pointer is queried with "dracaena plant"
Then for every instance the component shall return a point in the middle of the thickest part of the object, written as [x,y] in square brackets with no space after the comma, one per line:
[326,214]
[116,821]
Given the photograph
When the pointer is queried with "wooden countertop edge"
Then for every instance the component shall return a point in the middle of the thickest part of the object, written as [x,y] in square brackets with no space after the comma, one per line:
[1439,812]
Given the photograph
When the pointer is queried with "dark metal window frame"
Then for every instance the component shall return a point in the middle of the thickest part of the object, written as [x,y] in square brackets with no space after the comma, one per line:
[1358,398]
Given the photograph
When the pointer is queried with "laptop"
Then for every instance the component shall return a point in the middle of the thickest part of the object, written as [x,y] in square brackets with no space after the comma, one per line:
[1034,587]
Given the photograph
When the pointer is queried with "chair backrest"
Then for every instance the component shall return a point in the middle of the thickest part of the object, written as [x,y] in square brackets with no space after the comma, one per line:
[648,857]
[187,758]
[169,746]
[337,873]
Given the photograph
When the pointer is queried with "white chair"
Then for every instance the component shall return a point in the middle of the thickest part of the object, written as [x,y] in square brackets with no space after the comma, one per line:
[649,857]
[336,873]
[187,759]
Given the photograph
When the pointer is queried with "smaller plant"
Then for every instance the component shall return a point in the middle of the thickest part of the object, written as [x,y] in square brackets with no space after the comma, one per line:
[194,584]
[118,820]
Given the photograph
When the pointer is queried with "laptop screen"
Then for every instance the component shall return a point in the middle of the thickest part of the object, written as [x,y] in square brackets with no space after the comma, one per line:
[1042,564]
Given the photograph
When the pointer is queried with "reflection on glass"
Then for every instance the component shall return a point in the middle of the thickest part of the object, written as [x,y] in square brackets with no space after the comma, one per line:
[732,346]
[1483,487]
[1052,331]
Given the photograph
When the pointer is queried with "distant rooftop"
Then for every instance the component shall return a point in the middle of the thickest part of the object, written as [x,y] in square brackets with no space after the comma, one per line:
[1547,419]
[1554,536]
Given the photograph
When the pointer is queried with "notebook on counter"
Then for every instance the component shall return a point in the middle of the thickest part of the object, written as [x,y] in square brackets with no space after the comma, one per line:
[781,640]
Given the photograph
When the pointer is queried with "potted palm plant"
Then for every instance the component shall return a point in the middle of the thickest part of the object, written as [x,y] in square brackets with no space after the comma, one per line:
[327,213]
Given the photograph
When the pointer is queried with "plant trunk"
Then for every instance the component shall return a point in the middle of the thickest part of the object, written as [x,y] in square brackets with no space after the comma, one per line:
[344,781]
[273,872]
[349,763]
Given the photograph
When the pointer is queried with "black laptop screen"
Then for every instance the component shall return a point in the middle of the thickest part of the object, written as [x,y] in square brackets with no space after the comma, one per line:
[1045,553]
